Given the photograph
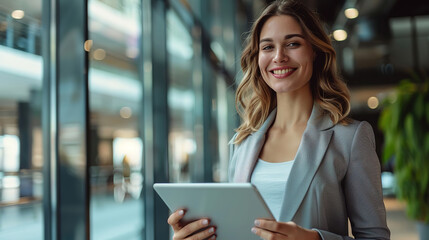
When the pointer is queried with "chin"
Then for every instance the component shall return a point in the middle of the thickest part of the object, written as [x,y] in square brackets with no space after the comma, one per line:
[278,91]
[281,89]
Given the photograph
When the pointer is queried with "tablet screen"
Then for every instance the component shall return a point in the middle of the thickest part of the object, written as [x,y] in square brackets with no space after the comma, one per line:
[232,207]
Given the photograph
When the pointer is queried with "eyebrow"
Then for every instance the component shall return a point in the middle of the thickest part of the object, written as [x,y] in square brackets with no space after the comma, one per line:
[286,37]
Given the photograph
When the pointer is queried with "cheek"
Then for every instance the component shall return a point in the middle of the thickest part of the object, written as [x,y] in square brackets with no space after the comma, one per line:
[308,71]
[307,63]
[262,62]
[310,66]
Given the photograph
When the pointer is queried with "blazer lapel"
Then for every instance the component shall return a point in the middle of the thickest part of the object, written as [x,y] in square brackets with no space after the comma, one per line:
[314,143]
[250,149]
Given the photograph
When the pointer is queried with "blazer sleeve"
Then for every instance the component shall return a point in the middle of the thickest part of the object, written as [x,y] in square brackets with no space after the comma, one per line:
[363,191]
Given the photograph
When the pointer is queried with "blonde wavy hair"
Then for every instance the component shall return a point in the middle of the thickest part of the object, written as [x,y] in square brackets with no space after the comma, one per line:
[255,99]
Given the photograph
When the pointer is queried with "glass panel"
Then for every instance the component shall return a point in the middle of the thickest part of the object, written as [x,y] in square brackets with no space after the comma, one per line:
[21,156]
[221,14]
[115,94]
[181,99]
[224,115]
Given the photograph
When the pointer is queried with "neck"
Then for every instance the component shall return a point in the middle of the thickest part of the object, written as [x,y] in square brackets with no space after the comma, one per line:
[293,109]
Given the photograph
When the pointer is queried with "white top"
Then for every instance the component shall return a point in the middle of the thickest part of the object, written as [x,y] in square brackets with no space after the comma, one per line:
[270,179]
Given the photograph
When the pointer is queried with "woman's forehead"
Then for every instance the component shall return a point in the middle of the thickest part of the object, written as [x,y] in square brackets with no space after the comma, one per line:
[280,25]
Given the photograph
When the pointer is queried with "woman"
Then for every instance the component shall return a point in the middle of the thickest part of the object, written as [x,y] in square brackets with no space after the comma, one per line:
[315,167]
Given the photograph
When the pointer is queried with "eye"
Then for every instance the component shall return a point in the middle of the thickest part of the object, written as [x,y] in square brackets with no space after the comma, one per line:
[293,44]
[266,47]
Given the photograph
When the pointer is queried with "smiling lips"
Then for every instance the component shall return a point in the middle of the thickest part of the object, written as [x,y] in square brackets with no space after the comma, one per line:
[282,72]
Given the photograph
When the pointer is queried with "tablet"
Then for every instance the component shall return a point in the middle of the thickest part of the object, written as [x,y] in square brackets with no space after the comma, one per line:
[232,207]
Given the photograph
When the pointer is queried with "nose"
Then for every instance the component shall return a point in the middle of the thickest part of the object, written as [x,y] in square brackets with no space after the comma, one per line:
[280,56]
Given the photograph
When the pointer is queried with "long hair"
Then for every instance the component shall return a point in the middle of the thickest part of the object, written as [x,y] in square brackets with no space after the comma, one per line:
[255,99]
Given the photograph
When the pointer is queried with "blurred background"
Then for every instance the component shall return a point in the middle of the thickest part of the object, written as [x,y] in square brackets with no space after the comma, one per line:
[99,99]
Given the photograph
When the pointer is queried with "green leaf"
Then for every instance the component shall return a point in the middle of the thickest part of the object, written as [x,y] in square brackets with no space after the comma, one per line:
[427,112]
[419,107]
[426,145]
[424,181]
[410,131]
[385,118]
[405,124]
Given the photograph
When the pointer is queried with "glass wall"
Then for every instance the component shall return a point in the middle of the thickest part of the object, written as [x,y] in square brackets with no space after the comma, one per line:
[201,70]
[181,99]
[221,23]
[21,148]
[102,98]
[115,96]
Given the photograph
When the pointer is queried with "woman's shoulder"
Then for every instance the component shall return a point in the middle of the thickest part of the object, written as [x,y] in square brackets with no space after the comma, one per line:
[354,128]
[352,125]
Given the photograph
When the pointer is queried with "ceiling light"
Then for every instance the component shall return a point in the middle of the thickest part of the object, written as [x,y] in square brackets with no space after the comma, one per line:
[351,13]
[340,35]
[125,112]
[18,14]
[87,45]
[373,102]
[99,54]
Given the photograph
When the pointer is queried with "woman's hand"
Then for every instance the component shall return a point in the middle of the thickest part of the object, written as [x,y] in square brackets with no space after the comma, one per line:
[190,231]
[272,230]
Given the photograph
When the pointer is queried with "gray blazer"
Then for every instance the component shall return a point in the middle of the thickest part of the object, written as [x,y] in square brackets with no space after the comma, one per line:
[335,177]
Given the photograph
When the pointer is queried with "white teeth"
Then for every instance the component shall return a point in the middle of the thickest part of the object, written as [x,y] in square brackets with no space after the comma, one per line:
[282,71]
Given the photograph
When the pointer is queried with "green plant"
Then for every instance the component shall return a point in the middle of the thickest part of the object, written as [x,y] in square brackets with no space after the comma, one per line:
[404,121]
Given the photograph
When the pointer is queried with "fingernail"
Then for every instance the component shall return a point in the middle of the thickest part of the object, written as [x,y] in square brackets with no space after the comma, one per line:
[211,230]
[254,230]
[181,212]
[205,222]
[213,237]
[257,223]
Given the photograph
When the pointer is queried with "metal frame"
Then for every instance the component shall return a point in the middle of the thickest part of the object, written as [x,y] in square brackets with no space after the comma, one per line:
[49,121]
[72,159]
[155,116]
[65,120]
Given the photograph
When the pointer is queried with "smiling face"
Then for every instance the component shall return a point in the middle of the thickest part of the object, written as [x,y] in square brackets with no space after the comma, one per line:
[285,57]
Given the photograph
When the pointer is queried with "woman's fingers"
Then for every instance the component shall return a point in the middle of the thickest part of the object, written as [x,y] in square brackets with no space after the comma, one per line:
[266,234]
[174,219]
[193,227]
[191,231]
[274,226]
[206,234]
[270,229]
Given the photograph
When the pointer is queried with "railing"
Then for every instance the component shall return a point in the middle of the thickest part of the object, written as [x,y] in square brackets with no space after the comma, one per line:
[22,34]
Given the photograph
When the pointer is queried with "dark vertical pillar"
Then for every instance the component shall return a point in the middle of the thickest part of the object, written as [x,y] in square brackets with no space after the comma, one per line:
[196,163]
[72,86]
[49,119]
[25,137]
[209,85]
[65,120]
[155,116]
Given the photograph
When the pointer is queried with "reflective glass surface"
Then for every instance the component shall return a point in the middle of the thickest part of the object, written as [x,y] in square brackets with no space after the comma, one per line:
[221,15]
[181,99]
[21,156]
[224,116]
[115,93]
